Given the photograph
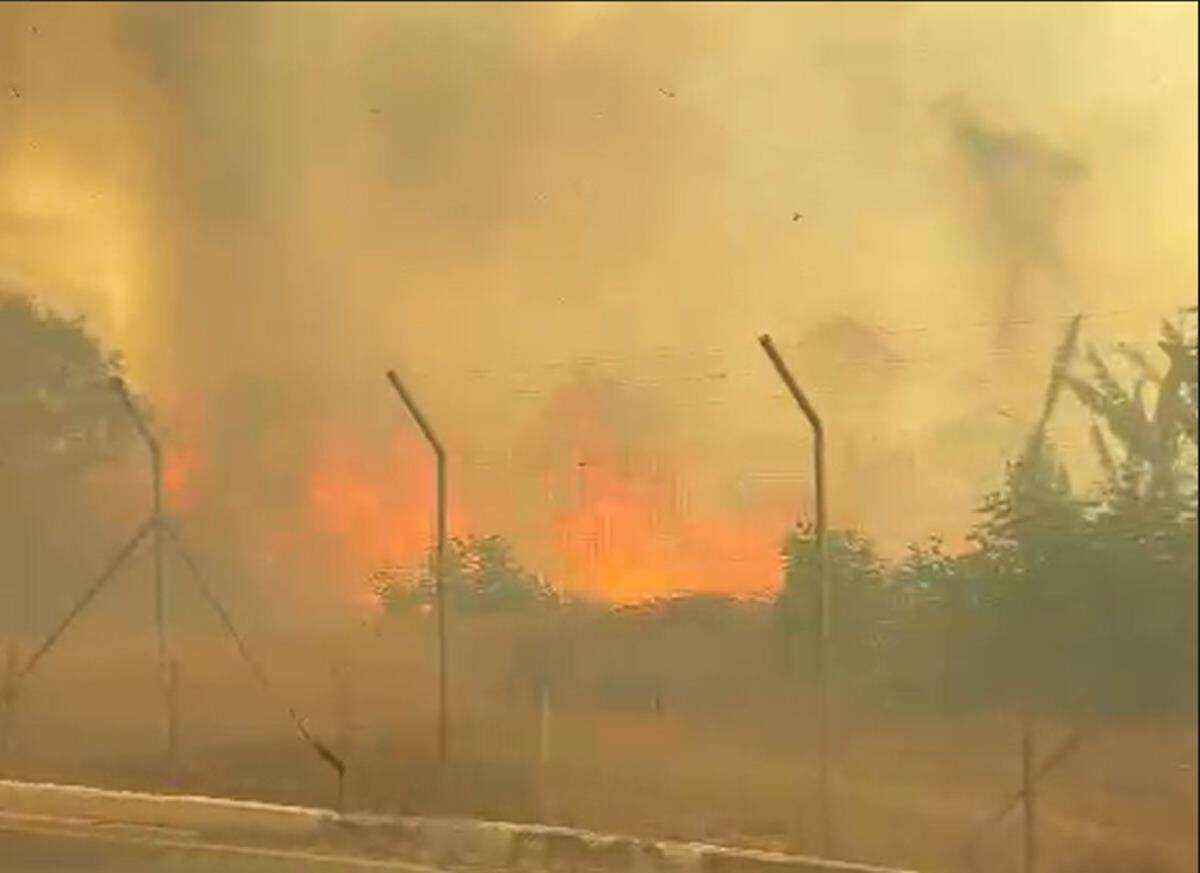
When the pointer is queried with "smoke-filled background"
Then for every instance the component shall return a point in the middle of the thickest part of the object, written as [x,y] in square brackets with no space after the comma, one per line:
[565,226]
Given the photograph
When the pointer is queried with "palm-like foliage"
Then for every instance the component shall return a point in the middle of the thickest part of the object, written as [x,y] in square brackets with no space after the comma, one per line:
[1152,439]
[1063,591]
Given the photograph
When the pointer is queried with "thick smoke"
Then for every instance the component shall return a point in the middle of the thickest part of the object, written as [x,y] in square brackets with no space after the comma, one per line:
[1024,185]
[267,206]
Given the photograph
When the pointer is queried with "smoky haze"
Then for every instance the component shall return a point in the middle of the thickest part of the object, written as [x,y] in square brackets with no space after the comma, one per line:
[565,226]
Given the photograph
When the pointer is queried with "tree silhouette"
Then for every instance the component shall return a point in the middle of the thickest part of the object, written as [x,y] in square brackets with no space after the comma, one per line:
[1152,440]
[481,575]
[1062,593]
[58,413]
[59,419]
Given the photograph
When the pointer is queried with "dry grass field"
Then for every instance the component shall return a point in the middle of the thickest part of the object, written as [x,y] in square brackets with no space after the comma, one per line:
[724,763]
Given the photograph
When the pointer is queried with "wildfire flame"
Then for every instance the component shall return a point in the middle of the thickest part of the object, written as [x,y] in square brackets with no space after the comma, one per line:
[630,538]
[620,529]
[625,531]
[185,447]
[373,516]
[180,465]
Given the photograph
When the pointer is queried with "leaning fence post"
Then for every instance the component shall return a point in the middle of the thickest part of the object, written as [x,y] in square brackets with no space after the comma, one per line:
[439,454]
[824,650]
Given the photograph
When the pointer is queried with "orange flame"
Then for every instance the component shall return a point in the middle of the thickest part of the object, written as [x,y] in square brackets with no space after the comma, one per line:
[377,516]
[180,464]
[631,538]
[183,453]
[622,530]
[628,534]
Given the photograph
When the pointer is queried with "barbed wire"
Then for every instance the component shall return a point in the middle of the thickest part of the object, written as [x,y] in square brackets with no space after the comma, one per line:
[597,359]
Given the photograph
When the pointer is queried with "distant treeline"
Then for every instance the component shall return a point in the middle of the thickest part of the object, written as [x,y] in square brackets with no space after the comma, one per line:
[1075,597]
[1072,594]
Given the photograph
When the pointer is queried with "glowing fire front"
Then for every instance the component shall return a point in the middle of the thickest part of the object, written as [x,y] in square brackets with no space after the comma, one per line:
[618,524]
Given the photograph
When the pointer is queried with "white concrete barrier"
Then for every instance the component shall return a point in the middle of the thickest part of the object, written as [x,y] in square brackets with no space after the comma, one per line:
[461,844]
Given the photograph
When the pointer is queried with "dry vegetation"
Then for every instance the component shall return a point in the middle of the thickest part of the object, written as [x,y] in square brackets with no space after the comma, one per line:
[716,761]
[690,719]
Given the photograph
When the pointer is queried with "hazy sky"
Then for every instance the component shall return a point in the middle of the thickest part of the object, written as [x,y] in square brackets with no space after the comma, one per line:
[566,225]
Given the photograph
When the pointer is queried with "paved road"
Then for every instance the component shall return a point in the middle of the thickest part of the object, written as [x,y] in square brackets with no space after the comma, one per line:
[49,846]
